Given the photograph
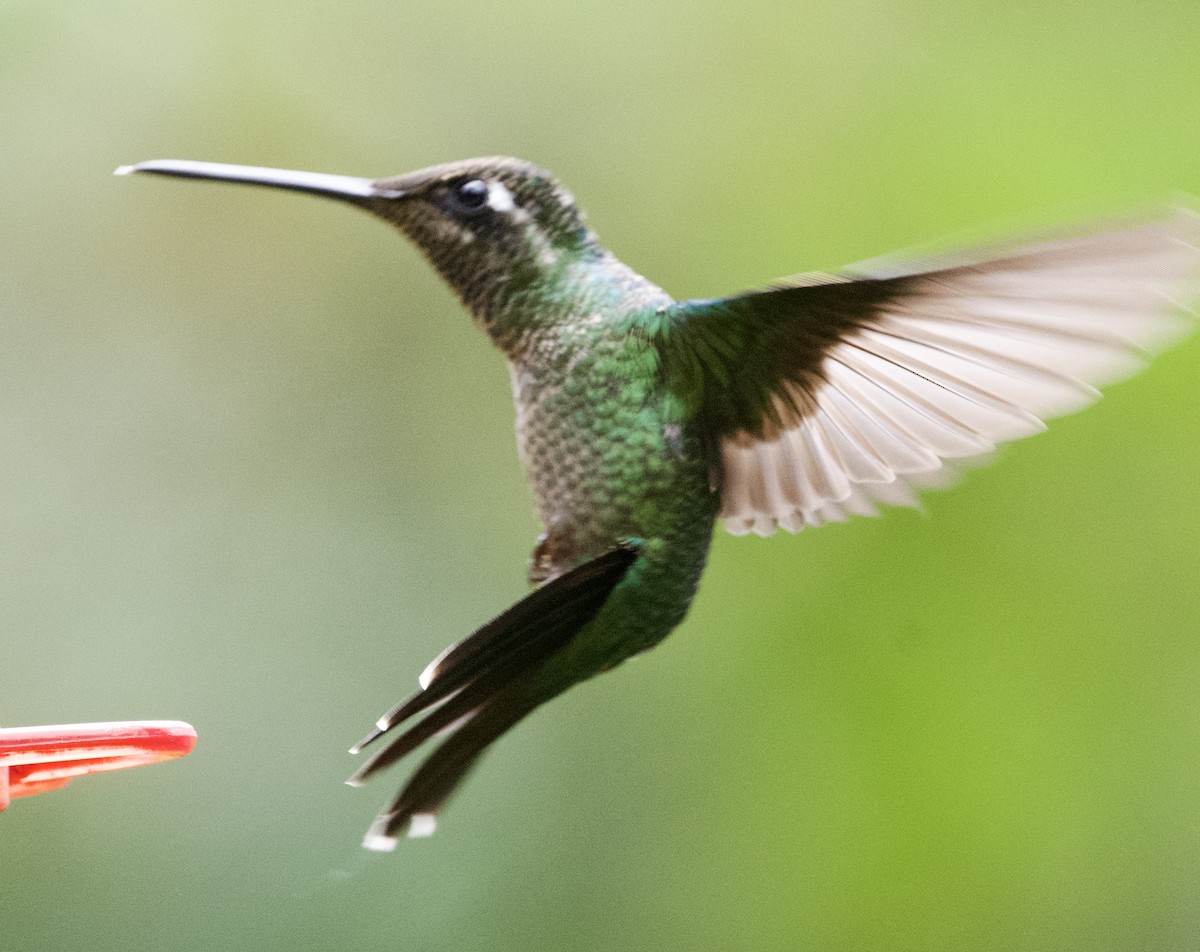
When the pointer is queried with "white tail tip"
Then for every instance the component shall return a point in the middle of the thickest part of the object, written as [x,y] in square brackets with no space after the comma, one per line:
[378,843]
[421,826]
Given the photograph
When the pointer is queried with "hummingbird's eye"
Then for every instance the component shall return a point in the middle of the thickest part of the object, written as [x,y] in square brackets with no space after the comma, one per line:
[471,195]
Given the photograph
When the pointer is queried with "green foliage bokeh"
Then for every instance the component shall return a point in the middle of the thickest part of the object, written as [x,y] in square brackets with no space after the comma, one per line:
[258,469]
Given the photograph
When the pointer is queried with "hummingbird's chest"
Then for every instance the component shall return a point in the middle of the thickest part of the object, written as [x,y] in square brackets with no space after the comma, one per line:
[604,456]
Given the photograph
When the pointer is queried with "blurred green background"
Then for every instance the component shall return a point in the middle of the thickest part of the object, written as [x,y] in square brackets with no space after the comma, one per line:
[258,469]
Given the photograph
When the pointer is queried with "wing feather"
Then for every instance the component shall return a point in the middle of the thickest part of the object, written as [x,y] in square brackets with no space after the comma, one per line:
[860,390]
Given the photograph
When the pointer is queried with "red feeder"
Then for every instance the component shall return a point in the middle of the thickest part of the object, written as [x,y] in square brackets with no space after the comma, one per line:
[40,759]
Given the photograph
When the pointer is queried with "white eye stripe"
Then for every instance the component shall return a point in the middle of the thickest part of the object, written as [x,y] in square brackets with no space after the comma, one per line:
[503,202]
[500,199]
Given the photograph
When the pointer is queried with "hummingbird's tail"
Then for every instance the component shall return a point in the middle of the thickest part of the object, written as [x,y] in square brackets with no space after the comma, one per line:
[479,688]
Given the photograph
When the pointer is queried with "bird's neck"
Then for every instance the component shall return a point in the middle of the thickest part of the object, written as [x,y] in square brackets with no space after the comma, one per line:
[518,307]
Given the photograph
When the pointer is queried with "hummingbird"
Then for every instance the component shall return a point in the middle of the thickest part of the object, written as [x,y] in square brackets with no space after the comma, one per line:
[642,420]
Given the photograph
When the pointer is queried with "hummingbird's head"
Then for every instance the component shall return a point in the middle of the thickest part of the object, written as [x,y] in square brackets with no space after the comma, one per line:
[492,227]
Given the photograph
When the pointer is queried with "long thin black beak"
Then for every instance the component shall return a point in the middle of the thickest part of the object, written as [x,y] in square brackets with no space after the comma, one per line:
[331,186]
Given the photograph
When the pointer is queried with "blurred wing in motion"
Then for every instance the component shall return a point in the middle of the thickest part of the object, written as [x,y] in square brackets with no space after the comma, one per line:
[834,393]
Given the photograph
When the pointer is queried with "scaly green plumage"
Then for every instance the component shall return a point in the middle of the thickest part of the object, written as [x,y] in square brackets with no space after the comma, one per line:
[639,419]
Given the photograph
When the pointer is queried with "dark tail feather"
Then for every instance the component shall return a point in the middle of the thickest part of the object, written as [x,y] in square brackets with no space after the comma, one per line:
[543,619]
[414,811]
[482,688]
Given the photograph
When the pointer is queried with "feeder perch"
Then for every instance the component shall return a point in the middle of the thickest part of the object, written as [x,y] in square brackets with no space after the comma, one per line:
[40,759]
